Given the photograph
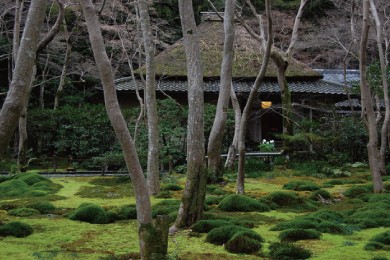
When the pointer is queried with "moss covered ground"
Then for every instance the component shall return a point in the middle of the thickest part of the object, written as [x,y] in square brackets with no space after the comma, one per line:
[55,236]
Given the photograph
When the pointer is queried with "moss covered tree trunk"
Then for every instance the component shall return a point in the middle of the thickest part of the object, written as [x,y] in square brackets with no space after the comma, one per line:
[192,202]
[151,244]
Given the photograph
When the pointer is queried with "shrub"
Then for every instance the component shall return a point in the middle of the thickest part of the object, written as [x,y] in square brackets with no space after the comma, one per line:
[32,178]
[23,212]
[292,235]
[237,202]
[166,207]
[16,229]
[213,200]
[90,213]
[331,227]
[380,241]
[328,215]
[323,193]
[370,217]
[205,226]
[44,207]
[298,223]
[301,186]
[283,199]
[122,213]
[171,186]
[223,234]
[13,188]
[164,194]
[356,191]
[243,243]
[287,251]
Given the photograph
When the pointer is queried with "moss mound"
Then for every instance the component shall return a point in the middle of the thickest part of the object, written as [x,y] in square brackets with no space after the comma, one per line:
[301,186]
[44,207]
[316,195]
[122,213]
[32,178]
[205,226]
[287,251]
[222,235]
[237,202]
[292,235]
[371,216]
[288,200]
[23,212]
[243,243]
[16,229]
[172,187]
[356,191]
[213,200]
[90,213]
[380,241]
[215,190]
[164,194]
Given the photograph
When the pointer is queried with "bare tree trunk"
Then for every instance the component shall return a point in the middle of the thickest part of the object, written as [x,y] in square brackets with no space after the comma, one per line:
[18,94]
[150,101]
[248,106]
[192,202]
[16,38]
[218,128]
[367,106]
[153,241]
[385,83]
[231,157]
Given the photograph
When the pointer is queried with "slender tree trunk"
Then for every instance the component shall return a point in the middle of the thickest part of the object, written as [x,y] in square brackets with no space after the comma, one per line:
[368,112]
[192,202]
[248,106]
[150,101]
[231,157]
[385,84]
[153,241]
[18,93]
[218,128]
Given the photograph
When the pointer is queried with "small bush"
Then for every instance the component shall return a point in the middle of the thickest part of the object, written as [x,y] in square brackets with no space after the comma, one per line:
[373,246]
[44,207]
[323,193]
[237,202]
[370,217]
[292,235]
[222,235]
[164,194]
[331,227]
[287,251]
[356,191]
[171,186]
[122,213]
[298,223]
[243,243]
[213,200]
[301,186]
[90,213]
[23,212]
[166,207]
[205,226]
[380,241]
[32,178]
[16,229]
[328,215]
[283,199]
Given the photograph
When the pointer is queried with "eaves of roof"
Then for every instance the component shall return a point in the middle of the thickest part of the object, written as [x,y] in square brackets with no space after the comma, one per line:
[315,87]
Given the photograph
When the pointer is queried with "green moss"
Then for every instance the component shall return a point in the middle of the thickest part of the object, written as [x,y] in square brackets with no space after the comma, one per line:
[287,251]
[122,213]
[90,213]
[16,229]
[380,241]
[236,202]
[323,193]
[301,186]
[205,226]
[213,200]
[44,207]
[292,235]
[23,212]
[243,243]
[172,187]
[356,191]
[222,235]
[164,194]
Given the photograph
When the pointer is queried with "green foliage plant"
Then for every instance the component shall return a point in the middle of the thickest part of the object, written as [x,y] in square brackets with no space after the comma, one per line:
[90,213]
[287,251]
[171,187]
[237,202]
[357,190]
[16,229]
[23,212]
[44,207]
[223,234]
[315,195]
[213,200]
[164,194]
[292,235]
[205,226]
[380,241]
[243,243]
[301,186]
[122,213]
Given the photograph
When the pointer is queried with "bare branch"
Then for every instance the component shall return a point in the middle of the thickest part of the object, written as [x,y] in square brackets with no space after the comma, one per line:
[294,35]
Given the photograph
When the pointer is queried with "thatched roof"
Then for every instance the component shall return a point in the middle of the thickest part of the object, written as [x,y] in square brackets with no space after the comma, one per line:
[247,62]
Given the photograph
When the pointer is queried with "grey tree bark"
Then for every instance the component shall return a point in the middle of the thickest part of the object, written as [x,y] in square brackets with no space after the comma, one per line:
[218,128]
[192,202]
[368,112]
[231,157]
[18,93]
[153,172]
[153,241]
[248,106]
